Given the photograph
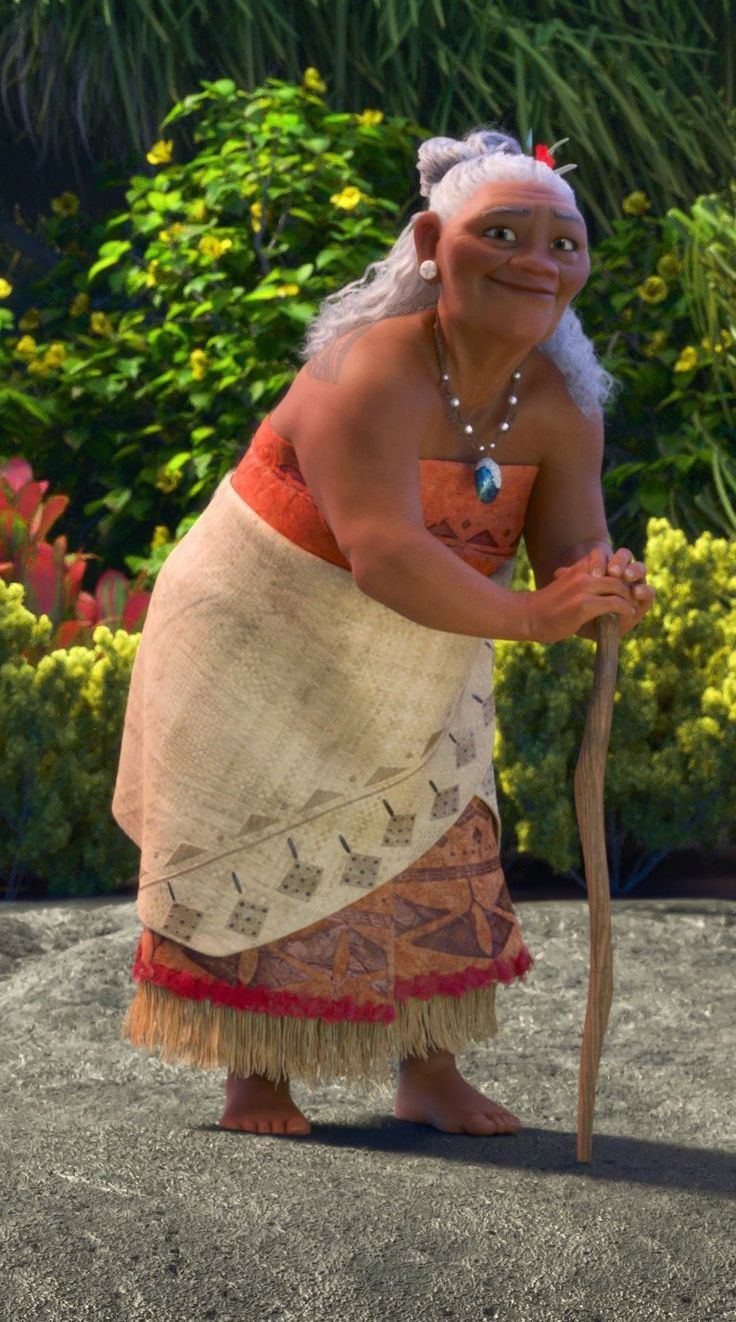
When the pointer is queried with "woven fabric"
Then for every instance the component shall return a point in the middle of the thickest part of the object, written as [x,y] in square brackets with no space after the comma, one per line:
[288,740]
[444,925]
[410,968]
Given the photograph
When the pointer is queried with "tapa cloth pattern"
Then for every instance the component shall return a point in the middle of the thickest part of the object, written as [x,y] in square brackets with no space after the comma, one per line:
[411,967]
[288,740]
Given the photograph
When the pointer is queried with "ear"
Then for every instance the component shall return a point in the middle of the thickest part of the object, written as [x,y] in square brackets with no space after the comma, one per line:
[427,230]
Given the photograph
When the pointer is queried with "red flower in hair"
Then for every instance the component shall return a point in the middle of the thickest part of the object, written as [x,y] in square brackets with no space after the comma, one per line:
[541,153]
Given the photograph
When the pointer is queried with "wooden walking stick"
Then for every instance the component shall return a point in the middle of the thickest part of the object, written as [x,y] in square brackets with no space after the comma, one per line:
[589,780]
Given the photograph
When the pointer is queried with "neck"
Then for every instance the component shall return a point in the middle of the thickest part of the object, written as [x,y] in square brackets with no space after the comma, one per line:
[478,369]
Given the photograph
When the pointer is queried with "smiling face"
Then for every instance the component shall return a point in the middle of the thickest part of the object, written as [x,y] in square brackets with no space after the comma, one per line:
[513,257]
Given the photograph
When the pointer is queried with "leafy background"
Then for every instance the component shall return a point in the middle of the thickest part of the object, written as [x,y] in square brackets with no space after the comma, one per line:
[186,189]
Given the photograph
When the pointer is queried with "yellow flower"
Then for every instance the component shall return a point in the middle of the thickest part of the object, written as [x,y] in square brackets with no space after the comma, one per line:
[161,152]
[79,305]
[725,342]
[348,198]
[39,367]
[172,232]
[199,363]
[161,535]
[369,118]
[667,266]
[66,204]
[100,324]
[256,216]
[285,291]
[167,480]
[313,82]
[636,204]
[213,247]
[31,320]
[627,314]
[198,210]
[151,270]
[687,360]
[26,345]
[55,354]
[653,290]
[657,342]
[5,289]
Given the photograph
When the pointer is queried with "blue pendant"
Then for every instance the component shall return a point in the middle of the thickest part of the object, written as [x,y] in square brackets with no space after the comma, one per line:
[487,479]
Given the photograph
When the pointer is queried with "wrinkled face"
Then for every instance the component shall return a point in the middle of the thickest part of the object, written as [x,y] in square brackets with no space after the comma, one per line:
[516,254]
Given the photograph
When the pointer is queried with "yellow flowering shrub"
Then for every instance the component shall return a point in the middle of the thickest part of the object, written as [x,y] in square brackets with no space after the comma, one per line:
[59,744]
[670,774]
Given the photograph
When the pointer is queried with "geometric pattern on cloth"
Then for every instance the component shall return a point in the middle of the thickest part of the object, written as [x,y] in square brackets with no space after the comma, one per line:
[270,484]
[443,926]
[453,512]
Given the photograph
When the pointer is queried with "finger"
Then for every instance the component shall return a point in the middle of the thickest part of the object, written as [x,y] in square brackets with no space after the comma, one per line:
[620,559]
[635,572]
[597,561]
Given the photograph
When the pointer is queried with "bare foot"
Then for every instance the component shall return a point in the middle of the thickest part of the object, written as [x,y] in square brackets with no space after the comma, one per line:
[432,1093]
[259,1106]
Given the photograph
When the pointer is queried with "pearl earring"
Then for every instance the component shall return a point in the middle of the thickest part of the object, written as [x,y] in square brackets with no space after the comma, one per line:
[428,270]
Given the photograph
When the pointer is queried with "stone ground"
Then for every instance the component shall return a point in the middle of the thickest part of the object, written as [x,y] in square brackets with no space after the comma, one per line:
[122,1199]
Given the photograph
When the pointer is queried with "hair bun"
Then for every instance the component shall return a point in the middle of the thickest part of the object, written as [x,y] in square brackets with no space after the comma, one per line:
[438,155]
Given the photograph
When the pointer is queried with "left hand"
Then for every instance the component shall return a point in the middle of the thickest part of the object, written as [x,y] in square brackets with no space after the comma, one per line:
[633,572]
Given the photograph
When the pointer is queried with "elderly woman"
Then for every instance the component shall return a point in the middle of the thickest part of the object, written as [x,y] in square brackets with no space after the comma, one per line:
[307,753]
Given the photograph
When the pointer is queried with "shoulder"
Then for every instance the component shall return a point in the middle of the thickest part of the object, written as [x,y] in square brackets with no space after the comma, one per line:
[378,371]
[568,435]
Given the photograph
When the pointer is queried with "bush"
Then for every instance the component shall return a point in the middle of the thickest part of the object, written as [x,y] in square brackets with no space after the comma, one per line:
[185,329]
[60,737]
[669,777]
[660,306]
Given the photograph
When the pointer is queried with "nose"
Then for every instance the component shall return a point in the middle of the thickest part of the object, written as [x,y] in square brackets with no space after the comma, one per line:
[535,261]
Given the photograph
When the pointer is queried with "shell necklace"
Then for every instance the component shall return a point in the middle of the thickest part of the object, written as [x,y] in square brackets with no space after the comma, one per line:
[487,471]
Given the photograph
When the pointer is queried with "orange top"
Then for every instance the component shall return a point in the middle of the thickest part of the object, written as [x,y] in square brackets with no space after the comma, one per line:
[486,536]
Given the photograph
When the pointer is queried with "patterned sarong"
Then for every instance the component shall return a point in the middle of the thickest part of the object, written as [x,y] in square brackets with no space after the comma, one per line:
[410,966]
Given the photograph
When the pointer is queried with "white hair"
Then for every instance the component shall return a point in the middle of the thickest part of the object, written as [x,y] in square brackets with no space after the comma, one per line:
[450,172]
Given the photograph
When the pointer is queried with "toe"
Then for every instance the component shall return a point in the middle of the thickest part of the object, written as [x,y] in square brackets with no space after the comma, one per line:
[480,1123]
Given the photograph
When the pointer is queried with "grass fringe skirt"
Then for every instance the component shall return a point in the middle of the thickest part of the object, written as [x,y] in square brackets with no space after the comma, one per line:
[311,1050]
[410,968]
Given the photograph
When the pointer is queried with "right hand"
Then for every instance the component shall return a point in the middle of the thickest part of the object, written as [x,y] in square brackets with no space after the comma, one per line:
[575,596]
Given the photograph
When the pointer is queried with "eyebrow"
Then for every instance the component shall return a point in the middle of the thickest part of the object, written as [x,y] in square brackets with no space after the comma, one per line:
[526,211]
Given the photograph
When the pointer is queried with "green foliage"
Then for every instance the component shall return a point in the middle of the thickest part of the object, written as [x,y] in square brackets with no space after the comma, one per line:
[166,334]
[59,744]
[645,91]
[660,306]
[669,778]
[185,329]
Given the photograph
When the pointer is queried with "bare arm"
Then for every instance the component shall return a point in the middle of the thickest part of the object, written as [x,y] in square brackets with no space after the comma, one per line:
[566,517]
[357,443]
[358,449]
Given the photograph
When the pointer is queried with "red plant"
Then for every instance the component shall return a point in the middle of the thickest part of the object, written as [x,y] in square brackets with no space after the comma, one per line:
[51,576]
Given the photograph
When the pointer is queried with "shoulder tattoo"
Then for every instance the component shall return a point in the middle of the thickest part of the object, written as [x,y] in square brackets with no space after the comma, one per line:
[327,364]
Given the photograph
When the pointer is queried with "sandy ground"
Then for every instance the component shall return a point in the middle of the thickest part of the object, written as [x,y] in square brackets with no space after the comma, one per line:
[122,1199]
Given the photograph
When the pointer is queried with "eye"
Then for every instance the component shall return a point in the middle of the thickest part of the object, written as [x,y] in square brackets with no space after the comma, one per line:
[506,229]
[500,229]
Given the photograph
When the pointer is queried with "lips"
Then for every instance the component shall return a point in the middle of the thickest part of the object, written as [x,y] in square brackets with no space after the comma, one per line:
[526,289]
